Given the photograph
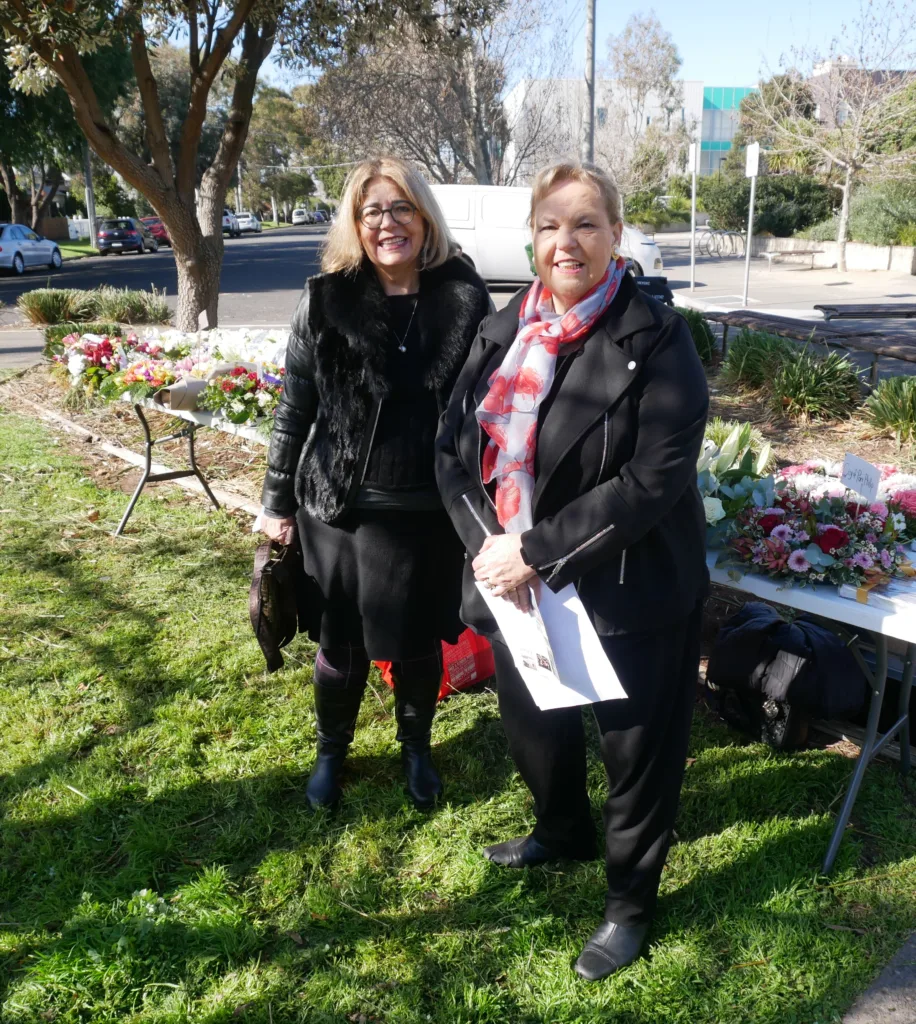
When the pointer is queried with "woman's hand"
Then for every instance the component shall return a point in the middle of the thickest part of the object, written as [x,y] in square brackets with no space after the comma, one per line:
[500,567]
[283,531]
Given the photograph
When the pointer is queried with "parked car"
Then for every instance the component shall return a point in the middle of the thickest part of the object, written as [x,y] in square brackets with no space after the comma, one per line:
[231,224]
[249,222]
[321,217]
[157,229]
[125,234]
[490,223]
[300,217]
[21,247]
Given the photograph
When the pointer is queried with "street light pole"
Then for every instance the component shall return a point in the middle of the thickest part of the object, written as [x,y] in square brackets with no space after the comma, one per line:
[588,134]
[90,194]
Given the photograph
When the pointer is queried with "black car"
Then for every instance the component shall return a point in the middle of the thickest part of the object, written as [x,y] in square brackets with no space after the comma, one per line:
[125,234]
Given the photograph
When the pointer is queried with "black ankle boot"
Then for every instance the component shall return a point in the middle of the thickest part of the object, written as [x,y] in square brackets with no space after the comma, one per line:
[611,947]
[336,710]
[415,706]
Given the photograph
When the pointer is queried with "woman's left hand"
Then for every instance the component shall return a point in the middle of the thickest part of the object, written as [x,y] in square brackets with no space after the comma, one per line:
[500,566]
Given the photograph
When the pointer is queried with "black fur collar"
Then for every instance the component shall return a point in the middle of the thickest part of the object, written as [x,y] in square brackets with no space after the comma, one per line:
[453,300]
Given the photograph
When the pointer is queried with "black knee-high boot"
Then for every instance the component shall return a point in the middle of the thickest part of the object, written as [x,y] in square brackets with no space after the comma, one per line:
[336,709]
[415,706]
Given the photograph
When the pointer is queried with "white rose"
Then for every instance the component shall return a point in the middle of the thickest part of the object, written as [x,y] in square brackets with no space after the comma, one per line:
[263,398]
[237,406]
[714,510]
[76,364]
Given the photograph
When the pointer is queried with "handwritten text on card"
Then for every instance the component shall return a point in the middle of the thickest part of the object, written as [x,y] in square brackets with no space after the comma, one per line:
[861,476]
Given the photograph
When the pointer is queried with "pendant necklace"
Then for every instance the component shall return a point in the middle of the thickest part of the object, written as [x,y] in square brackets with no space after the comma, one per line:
[402,346]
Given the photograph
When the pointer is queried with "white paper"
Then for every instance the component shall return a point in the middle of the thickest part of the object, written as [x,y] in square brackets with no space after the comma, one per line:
[861,476]
[556,649]
[752,160]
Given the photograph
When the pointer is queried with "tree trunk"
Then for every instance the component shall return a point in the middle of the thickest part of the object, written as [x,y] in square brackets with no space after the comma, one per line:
[273,207]
[53,178]
[843,226]
[19,201]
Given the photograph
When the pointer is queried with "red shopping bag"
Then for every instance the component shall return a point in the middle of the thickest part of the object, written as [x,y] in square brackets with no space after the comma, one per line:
[464,664]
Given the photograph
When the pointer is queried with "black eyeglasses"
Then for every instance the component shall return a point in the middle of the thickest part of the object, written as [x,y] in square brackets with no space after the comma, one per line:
[401,212]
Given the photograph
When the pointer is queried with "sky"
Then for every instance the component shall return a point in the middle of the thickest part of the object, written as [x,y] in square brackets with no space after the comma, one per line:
[722,43]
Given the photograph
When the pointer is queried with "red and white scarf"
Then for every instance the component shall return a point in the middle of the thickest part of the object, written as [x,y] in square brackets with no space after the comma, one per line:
[509,411]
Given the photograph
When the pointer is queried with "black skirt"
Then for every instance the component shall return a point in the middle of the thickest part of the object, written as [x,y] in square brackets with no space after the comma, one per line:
[389,581]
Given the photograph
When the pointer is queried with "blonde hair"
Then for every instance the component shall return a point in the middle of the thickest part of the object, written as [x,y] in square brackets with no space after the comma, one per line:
[343,250]
[586,174]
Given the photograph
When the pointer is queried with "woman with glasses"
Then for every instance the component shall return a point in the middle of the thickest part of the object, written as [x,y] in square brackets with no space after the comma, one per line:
[377,341]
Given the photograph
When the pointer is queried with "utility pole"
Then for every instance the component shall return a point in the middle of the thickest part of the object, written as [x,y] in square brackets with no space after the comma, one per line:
[588,134]
[238,187]
[90,195]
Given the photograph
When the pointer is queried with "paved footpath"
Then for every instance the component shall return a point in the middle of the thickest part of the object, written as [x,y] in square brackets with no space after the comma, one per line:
[892,997]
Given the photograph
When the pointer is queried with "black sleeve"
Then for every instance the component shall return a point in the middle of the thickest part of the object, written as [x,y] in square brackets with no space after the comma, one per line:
[609,518]
[468,507]
[293,419]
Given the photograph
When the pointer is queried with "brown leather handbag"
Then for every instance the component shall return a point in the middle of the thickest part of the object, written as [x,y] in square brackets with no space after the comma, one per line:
[277,599]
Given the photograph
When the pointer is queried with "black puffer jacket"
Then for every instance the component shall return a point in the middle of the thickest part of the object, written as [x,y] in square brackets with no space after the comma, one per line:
[336,378]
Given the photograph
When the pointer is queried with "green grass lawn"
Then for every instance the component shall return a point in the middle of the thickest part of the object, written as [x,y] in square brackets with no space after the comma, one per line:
[77,247]
[158,862]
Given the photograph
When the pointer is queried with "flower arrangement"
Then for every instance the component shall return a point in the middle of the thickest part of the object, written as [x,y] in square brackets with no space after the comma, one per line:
[730,479]
[141,379]
[827,540]
[89,358]
[242,396]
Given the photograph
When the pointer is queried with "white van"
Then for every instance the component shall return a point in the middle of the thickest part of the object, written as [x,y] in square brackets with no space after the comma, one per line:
[490,223]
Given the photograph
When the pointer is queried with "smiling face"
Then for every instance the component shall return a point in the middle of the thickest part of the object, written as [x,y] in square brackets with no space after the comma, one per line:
[393,247]
[573,241]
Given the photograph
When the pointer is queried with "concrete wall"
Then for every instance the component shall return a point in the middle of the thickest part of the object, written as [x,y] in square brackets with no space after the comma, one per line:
[859,256]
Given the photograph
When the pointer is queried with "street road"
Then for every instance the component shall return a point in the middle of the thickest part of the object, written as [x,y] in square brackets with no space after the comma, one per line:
[261,281]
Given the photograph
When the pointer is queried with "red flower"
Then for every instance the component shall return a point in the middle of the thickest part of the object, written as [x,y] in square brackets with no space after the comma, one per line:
[527,382]
[252,376]
[767,523]
[832,539]
[488,466]
[239,371]
[508,501]
[495,397]
[228,385]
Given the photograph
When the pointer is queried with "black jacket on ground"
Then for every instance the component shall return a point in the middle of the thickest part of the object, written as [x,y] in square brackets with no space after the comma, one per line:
[616,506]
[802,663]
[336,378]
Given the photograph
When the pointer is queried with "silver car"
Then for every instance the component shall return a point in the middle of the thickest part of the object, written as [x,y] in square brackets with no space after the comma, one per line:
[248,222]
[21,247]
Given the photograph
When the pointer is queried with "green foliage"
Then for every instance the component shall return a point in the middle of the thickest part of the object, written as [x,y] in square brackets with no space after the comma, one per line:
[784,204]
[159,865]
[53,305]
[703,337]
[120,305]
[749,438]
[678,185]
[111,199]
[907,234]
[753,356]
[879,213]
[809,386]
[823,231]
[892,407]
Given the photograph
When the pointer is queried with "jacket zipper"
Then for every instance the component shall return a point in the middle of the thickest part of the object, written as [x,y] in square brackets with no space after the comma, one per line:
[623,565]
[604,451]
[473,512]
[560,562]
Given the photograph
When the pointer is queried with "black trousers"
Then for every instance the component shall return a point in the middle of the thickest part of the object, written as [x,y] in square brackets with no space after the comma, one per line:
[644,742]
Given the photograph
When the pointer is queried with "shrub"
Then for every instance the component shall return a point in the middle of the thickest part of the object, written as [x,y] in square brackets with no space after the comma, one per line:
[749,437]
[753,357]
[785,203]
[878,213]
[52,305]
[703,337]
[808,386]
[120,305]
[679,208]
[907,234]
[892,406]
[823,231]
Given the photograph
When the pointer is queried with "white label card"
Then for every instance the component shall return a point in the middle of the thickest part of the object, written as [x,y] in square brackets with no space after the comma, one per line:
[861,476]
[752,160]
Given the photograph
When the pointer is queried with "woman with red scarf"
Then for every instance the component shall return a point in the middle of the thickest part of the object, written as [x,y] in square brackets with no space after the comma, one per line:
[568,455]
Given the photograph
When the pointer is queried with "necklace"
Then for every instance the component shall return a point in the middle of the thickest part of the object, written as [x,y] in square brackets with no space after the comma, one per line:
[402,346]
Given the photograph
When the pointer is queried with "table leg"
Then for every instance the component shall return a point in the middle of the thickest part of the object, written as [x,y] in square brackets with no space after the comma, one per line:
[193,462]
[903,707]
[877,683]
[144,476]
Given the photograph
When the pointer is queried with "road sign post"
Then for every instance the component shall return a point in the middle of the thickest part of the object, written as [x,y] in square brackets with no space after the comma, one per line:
[751,170]
[692,159]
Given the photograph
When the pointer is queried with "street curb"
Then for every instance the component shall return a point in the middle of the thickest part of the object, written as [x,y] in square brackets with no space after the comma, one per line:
[891,998]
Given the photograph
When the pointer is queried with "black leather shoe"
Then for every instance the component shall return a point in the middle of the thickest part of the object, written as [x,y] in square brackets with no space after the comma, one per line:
[611,947]
[421,780]
[527,852]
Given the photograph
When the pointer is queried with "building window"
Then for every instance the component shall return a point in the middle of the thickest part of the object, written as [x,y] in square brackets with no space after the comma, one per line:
[602,116]
[648,120]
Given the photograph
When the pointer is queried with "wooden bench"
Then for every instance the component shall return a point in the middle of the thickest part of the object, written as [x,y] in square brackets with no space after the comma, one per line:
[776,253]
[876,342]
[868,311]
